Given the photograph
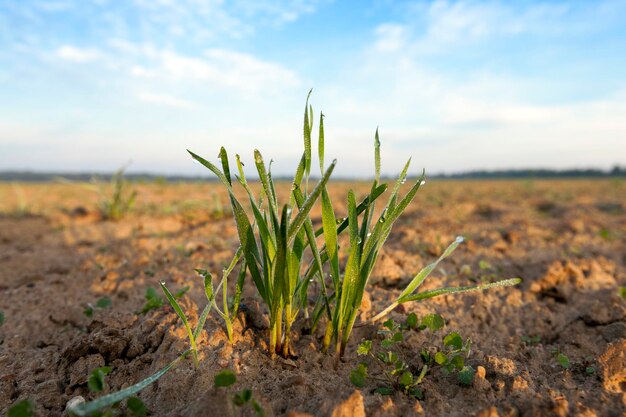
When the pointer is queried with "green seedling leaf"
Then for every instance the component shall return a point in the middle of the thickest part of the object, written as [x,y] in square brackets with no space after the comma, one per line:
[453,340]
[406,379]
[457,362]
[417,393]
[590,370]
[466,375]
[484,265]
[225,378]
[153,301]
[259,412]
[411,321]
[103,303]
[531,340]
[563,360]
[364,348]
[622,292]
[136,407]
[179,311]
[23,408]
[389,324]
[358,375]
[88,311]
[96,379]
[397,337]
[180,293]
[88,409]
[387,343]
[441,358]
[452,290]
[384,390]
[433,322]
[241,398]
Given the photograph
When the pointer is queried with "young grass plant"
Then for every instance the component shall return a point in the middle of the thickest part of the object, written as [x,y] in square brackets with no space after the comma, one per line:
[229,310]
[273,240]
[121,200]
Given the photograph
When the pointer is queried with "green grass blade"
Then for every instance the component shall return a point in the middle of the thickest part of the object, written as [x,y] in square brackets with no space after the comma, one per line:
[297,180]
[280,266]
[225,166]
[86,409]
[450,290]
[423,274]
[183,317]
[202,320]
[265,182]
[352,265]
[213,169]
[303,213]
[330,237]
[239,288]
[360,208]
[320,143]
[376,157]
[307,138]
[308,228]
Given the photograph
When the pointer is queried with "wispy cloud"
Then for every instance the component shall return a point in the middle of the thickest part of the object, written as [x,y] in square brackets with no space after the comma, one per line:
[163,99]
[79,55]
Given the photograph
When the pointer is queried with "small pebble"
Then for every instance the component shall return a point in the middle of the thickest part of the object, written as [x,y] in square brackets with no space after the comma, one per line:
[74,402]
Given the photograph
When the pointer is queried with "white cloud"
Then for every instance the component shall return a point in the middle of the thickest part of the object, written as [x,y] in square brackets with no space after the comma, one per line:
[218,68]
[79,55]
[164,99]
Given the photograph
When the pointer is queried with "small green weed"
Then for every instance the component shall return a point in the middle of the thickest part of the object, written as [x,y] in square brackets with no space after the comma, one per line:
[153,301]
[96,381]
[531,340]
[121,199]
[226,378]
[393,373]
[562,360]
[1,317]
[101,304]
[24,408]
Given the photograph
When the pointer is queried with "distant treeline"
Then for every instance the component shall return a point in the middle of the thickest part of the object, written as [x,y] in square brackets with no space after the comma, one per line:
[29,176]
[538,173]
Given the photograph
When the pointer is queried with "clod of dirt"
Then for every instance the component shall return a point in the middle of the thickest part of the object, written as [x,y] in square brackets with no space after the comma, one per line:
[387,271]
[613,363]
[352,407]
[212,403]
[254,314]
[480,382]
[488,412]
[79,371]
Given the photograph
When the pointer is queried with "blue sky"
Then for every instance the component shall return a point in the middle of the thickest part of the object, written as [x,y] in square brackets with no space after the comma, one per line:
[459,85]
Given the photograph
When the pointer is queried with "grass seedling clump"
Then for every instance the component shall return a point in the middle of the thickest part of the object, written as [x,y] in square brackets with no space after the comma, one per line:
[120,201]
[273,237]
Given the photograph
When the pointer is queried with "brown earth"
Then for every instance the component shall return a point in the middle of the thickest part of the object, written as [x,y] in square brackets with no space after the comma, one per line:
[566,239]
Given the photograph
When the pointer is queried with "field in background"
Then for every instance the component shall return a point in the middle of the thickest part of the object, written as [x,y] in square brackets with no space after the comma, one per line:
[565,238]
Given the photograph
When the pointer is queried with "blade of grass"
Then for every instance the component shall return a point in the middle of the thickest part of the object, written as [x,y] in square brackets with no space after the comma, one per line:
[87,409]
[183,317]
[451,290]
[303,213]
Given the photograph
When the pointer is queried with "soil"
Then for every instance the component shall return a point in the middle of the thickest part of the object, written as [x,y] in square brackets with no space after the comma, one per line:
[566,239]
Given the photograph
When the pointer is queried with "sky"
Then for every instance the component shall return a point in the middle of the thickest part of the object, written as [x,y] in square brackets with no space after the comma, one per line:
[89,85]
